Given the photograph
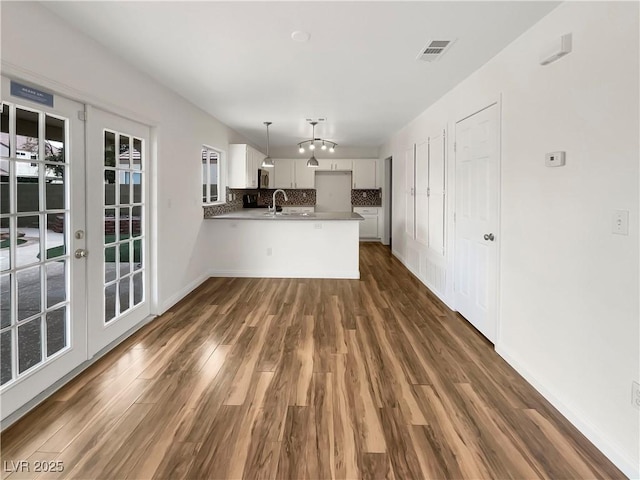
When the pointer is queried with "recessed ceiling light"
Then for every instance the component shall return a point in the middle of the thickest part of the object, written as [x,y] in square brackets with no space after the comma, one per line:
[300,36]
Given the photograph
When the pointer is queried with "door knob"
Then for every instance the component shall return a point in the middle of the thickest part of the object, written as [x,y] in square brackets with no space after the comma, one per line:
[489,236]
[81,253]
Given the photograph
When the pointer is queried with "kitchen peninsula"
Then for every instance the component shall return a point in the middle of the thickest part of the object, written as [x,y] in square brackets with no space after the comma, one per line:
[257,243]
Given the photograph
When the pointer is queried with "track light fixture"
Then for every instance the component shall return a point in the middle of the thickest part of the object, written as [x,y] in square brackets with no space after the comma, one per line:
[311,144]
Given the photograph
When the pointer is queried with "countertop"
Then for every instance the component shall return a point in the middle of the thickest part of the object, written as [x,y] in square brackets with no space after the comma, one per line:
[262,214]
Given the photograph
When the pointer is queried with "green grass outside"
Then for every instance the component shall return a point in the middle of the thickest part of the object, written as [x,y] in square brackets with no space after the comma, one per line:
[5,243]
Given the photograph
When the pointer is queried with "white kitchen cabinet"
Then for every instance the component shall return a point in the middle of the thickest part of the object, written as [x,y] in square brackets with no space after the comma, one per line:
[293,173]
[244,162]
[369,227]
[365,173]
[304,176]
[283,173]
[336,165]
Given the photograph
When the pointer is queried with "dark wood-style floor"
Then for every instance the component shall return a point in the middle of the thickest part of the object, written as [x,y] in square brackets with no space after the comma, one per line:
[293,379]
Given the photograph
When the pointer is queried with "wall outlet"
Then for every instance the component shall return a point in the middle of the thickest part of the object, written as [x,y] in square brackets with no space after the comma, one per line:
[635,394]
[620,222]
[555,159]
[269,251]
[318,226]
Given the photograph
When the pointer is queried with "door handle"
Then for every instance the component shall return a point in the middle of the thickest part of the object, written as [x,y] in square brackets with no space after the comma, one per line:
[489,236]
[81,253]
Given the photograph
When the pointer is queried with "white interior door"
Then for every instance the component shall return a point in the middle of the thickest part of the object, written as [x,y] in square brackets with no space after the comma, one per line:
[437,147]
[117,219]
[477,217]
[42,209]
[410,200]
[422,192]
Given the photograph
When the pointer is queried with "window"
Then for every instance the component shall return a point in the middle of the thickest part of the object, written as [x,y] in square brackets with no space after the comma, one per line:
[210,175]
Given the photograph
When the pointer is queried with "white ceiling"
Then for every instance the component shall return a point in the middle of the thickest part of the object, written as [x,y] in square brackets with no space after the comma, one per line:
[237,61]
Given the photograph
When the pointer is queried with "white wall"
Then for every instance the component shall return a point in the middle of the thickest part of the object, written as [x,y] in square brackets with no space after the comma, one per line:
[568,295]
[51,53]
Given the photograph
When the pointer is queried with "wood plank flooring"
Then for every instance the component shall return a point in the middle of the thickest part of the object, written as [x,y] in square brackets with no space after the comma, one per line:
[304,379]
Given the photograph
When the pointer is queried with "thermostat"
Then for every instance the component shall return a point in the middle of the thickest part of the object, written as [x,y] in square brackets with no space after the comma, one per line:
[555,159]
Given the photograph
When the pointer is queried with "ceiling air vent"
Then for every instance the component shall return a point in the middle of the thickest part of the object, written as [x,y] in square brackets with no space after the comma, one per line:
[434,50]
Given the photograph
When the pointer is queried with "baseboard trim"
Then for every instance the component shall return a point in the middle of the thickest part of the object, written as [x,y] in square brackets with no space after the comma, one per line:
[176,297]
[440,296]
[347,274]
[593,434]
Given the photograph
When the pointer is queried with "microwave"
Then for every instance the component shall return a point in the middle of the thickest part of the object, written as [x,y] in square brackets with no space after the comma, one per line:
[263,178]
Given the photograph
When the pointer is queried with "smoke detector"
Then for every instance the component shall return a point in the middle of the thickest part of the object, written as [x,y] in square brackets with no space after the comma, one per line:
[434,49]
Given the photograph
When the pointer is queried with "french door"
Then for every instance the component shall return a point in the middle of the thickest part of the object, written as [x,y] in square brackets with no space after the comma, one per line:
[117,219]
[477,218]
[42,223]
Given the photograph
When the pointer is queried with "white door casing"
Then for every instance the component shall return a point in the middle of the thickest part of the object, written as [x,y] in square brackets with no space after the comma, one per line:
[44,302]
[118,222]
[477,219]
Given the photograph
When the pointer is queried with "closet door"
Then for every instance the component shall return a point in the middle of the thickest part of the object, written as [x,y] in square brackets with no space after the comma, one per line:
[437,149]
[410,208]
[422,192]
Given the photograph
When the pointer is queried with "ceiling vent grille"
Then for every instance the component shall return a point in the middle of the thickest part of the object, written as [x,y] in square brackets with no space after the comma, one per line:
[434,50]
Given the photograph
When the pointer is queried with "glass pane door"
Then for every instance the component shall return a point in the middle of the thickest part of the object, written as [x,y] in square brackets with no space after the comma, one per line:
[36,269]
[118,269]
[124,212]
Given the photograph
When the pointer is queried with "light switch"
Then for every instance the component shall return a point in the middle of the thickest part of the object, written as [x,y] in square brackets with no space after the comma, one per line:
[620,222]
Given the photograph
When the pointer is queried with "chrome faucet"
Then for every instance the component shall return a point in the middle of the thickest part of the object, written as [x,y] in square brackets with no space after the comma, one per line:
[274,199]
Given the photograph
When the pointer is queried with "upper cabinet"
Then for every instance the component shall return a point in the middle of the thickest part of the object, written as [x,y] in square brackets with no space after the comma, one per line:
[336,165]
[365,173]
[283,173]
[305,177]
[244,162]
[293,173]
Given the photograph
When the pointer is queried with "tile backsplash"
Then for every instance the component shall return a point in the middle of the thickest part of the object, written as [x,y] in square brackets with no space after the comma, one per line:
[296,197]
[366,197]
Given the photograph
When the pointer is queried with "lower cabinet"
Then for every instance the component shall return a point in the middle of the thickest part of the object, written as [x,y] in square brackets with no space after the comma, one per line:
[369,227]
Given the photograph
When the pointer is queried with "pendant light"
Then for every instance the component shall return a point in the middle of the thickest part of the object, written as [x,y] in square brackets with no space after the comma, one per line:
[267,162]
[313,161]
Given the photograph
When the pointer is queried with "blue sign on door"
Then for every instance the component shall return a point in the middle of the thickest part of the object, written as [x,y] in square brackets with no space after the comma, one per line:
[30,93]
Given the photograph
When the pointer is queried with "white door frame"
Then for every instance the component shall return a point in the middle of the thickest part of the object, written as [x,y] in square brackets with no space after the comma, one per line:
[479,107]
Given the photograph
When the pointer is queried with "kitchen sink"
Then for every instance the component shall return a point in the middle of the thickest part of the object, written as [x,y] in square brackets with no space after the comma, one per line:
[289,214]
